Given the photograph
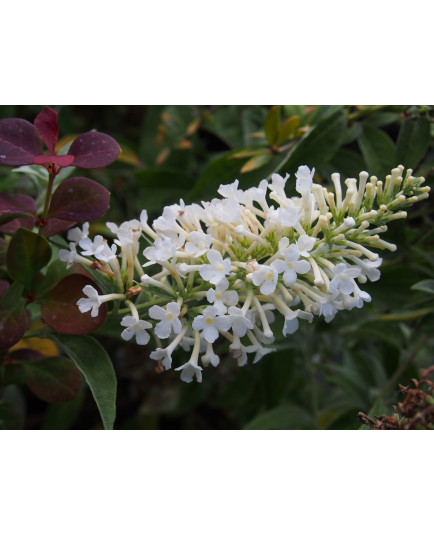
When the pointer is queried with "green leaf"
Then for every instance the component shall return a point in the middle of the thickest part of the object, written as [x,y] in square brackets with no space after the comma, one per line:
[54,379]
[288,417]
[63,415]
[318,146]
[427,285]
[95,365]
[378,151]
[10,416]
[272,125]
[27,254]
[256,162]
[288,129]
[413,142]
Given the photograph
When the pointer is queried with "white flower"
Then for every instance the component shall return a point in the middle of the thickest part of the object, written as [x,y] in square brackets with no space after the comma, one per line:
[107,254]
[261,351]
[217,269]
[291,266]
[210,323]
[239,322]
[210,356]
[92,248]
[189,371]
[75,235]
[305,244]
[164,355]
[304,179]
[163,250]
[221,297]
[278,184]
[343,279]
[69,256]
[135,327]
[168,319]
[92,302]
[265,277]
[291,320]
[198,243]
[369,268]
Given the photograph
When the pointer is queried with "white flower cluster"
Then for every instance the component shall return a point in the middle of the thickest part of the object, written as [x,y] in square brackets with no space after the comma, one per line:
[222,269]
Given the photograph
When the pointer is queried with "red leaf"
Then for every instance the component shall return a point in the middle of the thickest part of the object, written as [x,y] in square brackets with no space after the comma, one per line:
[55,226]
[19,142]
[46,124]
[62,160]
[79,199]
[4,285]
[59,307]
[13,318]
[16,205]
[94,150]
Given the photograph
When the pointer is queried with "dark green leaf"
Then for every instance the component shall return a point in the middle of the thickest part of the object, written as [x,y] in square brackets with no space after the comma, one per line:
[27,254]
[413,142]
[318,146]
[272,125]
[95,365]
[427,285]
[378,151]
[54,379]
[10,416]
[62,416]
[288,417]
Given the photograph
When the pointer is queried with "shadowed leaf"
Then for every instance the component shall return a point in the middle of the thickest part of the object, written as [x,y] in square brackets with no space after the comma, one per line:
[79,199]
[413,142]
[272,124]
[27,254]
[13,318]
[54,379]
[59,307]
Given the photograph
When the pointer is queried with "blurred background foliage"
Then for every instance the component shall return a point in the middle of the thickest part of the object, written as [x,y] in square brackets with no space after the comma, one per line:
[324,374]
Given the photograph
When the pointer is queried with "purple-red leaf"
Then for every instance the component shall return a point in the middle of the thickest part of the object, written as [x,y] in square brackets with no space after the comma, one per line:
[12,210]
[46,124]
[19,142]
[59,307]
[4,285]
[62,160]
[13,317]
[94,150]
[79,199]
[55,226]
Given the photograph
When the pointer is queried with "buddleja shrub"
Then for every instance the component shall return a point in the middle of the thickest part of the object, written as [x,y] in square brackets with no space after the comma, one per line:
[238,269]
[29,291]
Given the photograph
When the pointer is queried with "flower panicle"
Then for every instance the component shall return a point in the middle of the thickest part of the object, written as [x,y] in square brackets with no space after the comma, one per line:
[231,267]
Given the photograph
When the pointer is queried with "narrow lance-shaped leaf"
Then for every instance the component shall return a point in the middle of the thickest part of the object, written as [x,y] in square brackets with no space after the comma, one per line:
[19,142]
[79,199]
[95,365]
[27,254]
[46,124]
[272,124]
[94,150]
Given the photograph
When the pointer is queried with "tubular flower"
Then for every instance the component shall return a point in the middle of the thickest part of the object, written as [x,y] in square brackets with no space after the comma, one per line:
[254,259]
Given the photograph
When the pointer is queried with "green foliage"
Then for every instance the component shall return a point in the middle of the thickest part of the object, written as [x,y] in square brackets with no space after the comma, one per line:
[320,377]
